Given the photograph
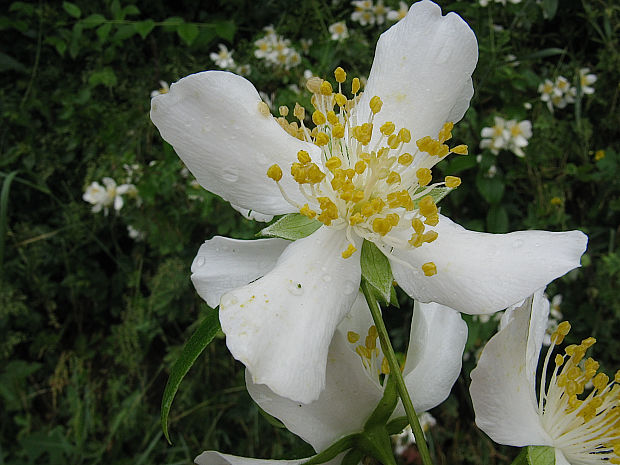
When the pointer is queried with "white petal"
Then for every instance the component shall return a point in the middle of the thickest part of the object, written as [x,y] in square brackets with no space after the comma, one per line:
[211,457]
[434,356]
[224,264]
[483,273]
[344,405]
[280,326]
[560,459]
[212,120]
[252,215]
[503,387]
[422,71]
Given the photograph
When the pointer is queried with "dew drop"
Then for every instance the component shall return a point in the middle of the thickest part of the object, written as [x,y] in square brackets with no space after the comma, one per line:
[295,288]
[230,174]
[517,244]
[349,288]
[327,278]
[200,261]
[228,300]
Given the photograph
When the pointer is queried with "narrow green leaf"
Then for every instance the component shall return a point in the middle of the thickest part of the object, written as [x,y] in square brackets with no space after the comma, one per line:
[72,9]
[437,194]
[225,30]
[144,27]
[188,32]
[497,219]
[376,270]
[544,53]
[492,189]
[92,21]
[8,63]
[4,206]
[332,451]
[292,227]
[541,455]
[192,350]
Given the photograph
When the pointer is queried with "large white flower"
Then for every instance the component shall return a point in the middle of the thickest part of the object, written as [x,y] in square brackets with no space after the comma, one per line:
[582,427]
[354,367]
[360,183]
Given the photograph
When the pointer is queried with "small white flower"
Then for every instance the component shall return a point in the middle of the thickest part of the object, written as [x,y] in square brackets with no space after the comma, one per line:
[163,89]
[397,15]
[134,233]
[520,132]
[586,80]
[339,31]
[223,58]
[110,194]
[364,12]
[581,426]
[380,12]
[495,138]
[243,70]
[306,44]
[406,439]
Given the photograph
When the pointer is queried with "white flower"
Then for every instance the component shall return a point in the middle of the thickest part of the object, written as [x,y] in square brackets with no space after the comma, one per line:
[364,12]
[586,80]
[380,12]
[110,194]
[520,132]
[339,31]
[288,298]
[406,439]
[495,138]
[306,44]
[397,15]
[582,427]
[243,70]
[163,89]
[223,58]
[134,233]
[354,369]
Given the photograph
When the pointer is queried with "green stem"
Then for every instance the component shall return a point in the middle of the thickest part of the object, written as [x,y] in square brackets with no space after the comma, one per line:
[388,352]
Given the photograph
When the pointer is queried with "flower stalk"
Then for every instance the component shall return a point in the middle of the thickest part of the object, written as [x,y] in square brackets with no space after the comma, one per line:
[388,352]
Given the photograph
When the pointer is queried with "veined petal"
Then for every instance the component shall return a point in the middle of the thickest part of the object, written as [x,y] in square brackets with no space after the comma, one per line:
[345,404]
[212,457]
[503,386]
[482,273]
[280,326]
[422,71]
[224,264]
[436,343]
[252,215]
[213,121]
[560,459]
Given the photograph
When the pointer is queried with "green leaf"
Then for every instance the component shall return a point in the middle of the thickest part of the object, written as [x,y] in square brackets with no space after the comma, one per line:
[192,350]
[461,163]
[8,63]
[124,31]
[172,23]
[144,27]
[437,194]
[58,43]
[541,455]
[292,227]
[104,77]
[492,189]
[225,30]
[4,207]
[188,32]
[376,270]
[92,21]
[497,219]
[72,9]
[549,8]
[103,31]
[131,10]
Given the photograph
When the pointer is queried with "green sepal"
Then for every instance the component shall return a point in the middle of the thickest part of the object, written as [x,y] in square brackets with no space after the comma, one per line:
[397,425]
[353,457]
[376,271]
[536,455]
[383,411]
[376,442]
[273,421]
[437,193]
[394,298]
[292,227]
[201,338]
[332,451]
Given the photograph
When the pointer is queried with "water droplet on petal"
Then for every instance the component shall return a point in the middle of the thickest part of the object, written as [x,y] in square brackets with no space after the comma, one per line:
[517,244]
[230,174]
[349,288]
[199,261]
[327,278]
[295,288]
[228,300]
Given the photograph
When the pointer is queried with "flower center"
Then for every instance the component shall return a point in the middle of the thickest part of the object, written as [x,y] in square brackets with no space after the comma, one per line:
[586,427]
[372,358]
[365,182]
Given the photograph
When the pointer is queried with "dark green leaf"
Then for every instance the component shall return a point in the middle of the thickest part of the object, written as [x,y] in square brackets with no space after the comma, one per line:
[376,270]
[541,455]
[188,32]
[492,189]
[292,227]
[103,31]
[193,348]
[549,8]
[497,219]
[124,31]
[92,21]
[104,77]
[72,9]
[4,206]
[8,63]
[131,10]
[144,27]
[225,30]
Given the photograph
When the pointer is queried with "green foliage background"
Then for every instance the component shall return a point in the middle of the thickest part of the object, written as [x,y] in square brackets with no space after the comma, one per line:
[91,321]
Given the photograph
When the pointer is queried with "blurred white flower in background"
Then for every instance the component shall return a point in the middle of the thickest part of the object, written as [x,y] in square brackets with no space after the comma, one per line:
[339,31]
[102,197]
[586,79]
[163,89]
[511,135]
[397,15]
[223,58]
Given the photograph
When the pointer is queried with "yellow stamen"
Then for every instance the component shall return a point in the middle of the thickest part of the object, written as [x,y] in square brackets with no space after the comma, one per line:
[429,269]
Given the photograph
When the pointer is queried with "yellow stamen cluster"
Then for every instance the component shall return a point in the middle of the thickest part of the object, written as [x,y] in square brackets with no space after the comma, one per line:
[369,351]
[369,182]
[587,428]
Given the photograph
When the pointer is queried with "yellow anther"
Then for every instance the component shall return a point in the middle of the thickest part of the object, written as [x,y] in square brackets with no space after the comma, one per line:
[588,342]
[444,133]
[381,226]
[563,328]
[442,151]
[274,172]
[429,236]
[393,141]
[357,218]
[453,181]
[314,174]
[371,342]
[340,75]
[350,173]
[363,352]
[387,128]
[321,139]
[333,163]
[283,110]
[318,118]
[331,117]
[432,220]
[405,159]
[326,88]
[416,240]
[427,206]
[314,84]
[417,225]
[571,387]
[307,211]
[338,131]
[460,149]
[559,360]
[375,104]
[303,157]
[358,195]
[392,218]
[353,337]
[263,108]
[385,367]
[393,178]
[355,86]
[424,176]
[617,377]
[424,144]
[360,166]
[299,112]
[377,205]
[366,209]
[340,99]
[350,251]
[429,269]
[573,373]
[600,381]
[404,135]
